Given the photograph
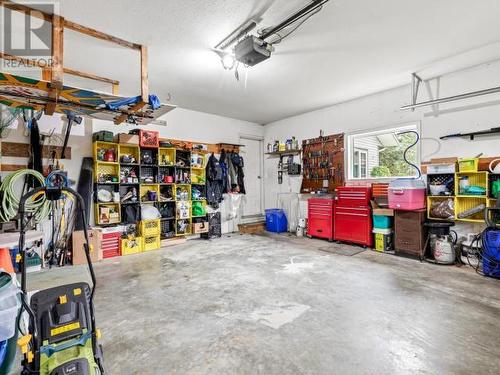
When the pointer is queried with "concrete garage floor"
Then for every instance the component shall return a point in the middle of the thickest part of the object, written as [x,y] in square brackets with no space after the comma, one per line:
[276,305]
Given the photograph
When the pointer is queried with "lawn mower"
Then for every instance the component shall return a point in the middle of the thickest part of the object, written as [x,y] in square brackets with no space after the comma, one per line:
[62,337]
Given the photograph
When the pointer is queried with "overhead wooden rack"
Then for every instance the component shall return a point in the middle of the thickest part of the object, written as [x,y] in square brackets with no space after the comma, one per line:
[54,73]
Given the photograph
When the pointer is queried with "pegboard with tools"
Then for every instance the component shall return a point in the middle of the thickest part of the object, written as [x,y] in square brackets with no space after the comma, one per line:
[323,160]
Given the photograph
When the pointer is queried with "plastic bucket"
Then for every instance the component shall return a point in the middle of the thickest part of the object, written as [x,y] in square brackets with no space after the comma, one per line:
[9,306]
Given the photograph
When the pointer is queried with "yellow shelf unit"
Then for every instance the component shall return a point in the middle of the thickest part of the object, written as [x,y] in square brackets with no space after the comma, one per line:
[131,246]
[99,148]
[106,172]
[129,150]
[187,224]
[183,210]
[182,192]
[144,190]
[475,178]
[464,203]
[431,199]
[198,164]
[150,243]
[150,228]
[166,157]
[107,213]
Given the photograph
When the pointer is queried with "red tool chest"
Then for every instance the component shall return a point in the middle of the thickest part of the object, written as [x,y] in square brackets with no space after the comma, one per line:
[352,216]
[320,218]
[111,244]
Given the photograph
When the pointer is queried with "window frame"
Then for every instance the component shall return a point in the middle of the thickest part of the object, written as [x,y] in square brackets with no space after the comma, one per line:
[350,149]
[360,151]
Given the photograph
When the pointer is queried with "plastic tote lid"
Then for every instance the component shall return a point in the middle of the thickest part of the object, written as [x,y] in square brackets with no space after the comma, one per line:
[407,184]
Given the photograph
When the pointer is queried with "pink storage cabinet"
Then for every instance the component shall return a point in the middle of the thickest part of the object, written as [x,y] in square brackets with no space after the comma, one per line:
[407,194]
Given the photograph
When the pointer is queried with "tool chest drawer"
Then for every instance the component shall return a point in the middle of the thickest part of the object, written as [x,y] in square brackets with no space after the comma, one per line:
[353,224]
[353,196]
[320,218]
[111,244]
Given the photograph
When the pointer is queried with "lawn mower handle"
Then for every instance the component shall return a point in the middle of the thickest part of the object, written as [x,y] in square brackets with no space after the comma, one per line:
[52,193]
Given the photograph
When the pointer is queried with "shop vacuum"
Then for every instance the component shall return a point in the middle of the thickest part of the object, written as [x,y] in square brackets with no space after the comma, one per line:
[62,337]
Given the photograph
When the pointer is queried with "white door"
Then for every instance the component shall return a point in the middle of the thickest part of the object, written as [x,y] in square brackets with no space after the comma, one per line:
[253,156]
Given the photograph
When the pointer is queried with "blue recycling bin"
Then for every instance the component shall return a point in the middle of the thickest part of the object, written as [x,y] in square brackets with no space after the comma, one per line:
[276,220]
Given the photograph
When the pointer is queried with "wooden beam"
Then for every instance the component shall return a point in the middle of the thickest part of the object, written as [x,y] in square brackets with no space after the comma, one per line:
[69,24]
[46,74]
[144,74]
[57,72]
[116,89]
[12,167]
[26,10]
[93,77]
[100,35]
[21,150]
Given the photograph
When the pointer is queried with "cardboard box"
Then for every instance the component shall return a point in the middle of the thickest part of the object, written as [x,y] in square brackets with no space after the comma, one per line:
[377,210]
[199,228]
[129,139]
[95,239]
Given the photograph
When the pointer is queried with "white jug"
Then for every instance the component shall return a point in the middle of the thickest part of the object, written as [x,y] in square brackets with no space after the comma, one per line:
[495,170]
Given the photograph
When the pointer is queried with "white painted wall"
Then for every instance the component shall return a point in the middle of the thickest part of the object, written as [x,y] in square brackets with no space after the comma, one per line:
[382,109]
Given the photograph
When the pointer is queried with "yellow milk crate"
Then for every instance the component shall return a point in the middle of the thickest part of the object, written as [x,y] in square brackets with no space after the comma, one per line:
[150,243]
[150,227]
[468,165]
[131,246]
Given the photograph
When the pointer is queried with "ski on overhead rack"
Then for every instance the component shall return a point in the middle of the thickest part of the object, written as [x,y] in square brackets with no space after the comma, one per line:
[22,92]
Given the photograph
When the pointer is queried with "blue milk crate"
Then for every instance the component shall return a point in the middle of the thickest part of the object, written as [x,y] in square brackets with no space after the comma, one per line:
[276,221]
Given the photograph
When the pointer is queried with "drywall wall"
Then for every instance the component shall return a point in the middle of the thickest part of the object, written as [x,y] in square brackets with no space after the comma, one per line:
[181,124]
[382,110]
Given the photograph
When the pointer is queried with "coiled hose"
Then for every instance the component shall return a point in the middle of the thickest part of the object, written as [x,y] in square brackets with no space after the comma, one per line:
[39,206]
[405,155]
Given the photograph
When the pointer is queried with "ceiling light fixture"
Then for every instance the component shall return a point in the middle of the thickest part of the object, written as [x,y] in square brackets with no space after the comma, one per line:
[228,61]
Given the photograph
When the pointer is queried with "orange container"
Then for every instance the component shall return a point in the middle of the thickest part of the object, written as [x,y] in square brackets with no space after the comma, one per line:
[6,261]
[380,190]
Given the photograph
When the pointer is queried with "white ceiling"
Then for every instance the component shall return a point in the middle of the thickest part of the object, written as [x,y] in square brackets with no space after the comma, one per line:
[351,49]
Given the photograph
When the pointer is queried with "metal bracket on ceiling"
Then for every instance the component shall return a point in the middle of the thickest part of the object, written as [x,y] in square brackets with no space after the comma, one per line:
[415,85]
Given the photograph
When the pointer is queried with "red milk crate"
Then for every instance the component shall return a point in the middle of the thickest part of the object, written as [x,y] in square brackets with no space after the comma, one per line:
[149,139]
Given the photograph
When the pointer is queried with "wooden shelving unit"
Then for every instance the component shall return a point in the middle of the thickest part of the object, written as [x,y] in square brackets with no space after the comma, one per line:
[164,177]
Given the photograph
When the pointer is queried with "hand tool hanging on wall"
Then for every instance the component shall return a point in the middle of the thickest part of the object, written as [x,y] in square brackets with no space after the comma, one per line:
[71,117]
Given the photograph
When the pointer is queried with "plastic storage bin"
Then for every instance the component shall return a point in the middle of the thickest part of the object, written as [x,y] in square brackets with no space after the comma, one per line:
[382,222]
[130,247]
[276,221]
[9,306]
[151,243]
[407,194]
[468,165]
[383,242]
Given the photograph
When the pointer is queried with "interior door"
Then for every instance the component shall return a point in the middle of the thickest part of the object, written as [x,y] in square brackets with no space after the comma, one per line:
[253,153]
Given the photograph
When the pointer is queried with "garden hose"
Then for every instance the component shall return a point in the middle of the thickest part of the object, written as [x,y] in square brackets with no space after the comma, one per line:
[38,206]
[405,155]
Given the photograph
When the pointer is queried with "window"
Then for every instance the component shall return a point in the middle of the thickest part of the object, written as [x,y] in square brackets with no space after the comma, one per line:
[360,163]
[379,154]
